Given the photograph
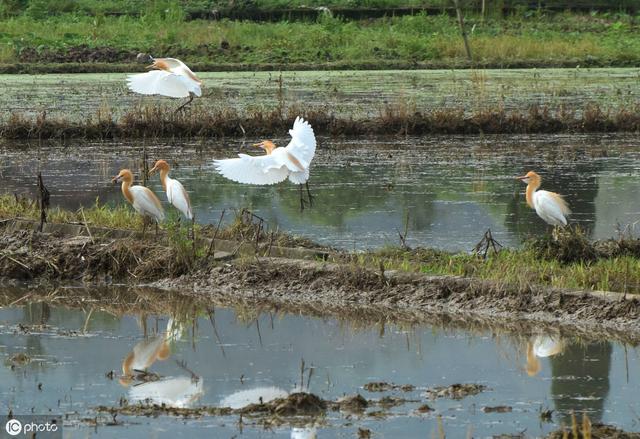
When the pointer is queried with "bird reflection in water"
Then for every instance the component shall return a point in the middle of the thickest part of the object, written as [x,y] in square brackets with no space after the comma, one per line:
[542,346]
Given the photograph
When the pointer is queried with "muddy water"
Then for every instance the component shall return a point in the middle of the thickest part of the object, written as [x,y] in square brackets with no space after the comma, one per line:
[246,356]
[451,188]
[76,96]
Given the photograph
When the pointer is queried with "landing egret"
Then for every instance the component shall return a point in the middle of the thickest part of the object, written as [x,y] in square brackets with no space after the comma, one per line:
[170,77]
[549,206]
[176,194]
[278,164]
[141,198]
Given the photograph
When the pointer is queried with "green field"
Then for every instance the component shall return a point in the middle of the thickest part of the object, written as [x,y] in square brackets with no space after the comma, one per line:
[530,38]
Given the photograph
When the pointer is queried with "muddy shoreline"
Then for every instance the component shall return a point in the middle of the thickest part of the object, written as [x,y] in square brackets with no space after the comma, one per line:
[310,281]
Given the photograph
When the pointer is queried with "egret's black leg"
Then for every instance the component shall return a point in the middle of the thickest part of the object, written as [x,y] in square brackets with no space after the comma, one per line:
[185,104]
[156,228]
[301,200]
[309,194]
[144,226]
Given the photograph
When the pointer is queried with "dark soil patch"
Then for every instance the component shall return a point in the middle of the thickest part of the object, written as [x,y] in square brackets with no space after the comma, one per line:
[455,391]
[382,386]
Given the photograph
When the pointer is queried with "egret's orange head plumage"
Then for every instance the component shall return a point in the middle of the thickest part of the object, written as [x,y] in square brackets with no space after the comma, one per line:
[123,175]
[160,165]
[267,145]
[159,64]
[530,178]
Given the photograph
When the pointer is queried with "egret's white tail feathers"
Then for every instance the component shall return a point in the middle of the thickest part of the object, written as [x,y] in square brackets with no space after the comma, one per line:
[299,177]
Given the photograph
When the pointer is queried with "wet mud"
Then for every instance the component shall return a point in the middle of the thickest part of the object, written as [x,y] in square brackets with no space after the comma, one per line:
[312,285]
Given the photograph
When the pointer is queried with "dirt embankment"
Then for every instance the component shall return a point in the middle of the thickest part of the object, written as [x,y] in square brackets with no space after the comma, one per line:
[311,286]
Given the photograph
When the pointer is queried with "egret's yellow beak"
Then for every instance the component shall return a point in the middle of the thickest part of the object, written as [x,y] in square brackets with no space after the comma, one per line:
[151,66]
[523,178]
[153,171]
[258,145]
[115,179]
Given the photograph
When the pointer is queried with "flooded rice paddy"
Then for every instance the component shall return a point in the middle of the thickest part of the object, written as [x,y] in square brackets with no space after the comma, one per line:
[451,189]
[232,357]
[355,93]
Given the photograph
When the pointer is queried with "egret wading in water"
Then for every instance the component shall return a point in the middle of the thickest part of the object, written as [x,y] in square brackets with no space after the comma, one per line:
[278,164]
[542,346]
[549,206]
[169,77]
[176,194]
[141,198]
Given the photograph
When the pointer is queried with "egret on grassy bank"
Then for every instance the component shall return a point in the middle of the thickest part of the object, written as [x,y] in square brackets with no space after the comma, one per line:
[549,206]
[278,164]
[170,77]
[176,194]
[141,198]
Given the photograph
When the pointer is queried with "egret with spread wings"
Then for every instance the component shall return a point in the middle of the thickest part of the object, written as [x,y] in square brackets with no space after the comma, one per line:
[549,206]
[169,77]
[278,164]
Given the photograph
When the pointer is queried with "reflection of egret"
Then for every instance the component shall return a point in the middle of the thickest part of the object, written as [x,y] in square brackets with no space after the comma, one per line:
[278,164]
[141,198]
[304,433]
[542,346]
[176,194]
[170,77]
[173,392]
[142,356]
[549,206]
[256,395]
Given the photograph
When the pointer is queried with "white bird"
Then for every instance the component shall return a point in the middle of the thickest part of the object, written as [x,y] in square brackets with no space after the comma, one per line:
[549,206]
[176,194]
[279,163]
[171,78]
[141,198]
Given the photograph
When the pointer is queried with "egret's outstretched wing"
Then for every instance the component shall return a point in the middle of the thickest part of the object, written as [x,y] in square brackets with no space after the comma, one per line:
[265,169]
[159,82]
[178,196]
[146,202]
[303,144]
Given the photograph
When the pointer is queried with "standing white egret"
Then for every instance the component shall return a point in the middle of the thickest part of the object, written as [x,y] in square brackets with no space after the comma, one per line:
[279,163]
[141,198]
[549,206]
[170,77]
[176,194]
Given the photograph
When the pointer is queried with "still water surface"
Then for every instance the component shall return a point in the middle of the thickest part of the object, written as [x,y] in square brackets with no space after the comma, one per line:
[451,188]
[73,350]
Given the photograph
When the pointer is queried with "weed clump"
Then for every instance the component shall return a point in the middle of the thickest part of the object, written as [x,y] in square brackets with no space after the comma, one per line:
[565,245]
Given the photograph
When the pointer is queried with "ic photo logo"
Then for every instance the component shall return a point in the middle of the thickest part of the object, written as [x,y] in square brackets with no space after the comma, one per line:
[42,426]
[13,427]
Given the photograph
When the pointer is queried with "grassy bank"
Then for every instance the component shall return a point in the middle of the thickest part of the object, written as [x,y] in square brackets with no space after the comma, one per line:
[527,39]
[402,119]
[568,260]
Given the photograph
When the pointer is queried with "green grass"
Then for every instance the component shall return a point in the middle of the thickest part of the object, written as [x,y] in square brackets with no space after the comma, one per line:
[520,268]
[586,39]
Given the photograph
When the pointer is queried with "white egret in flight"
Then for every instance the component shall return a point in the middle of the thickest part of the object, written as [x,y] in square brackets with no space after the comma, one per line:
[278,164]
[549,206]
[169,77]
[141,198]
[176,194]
